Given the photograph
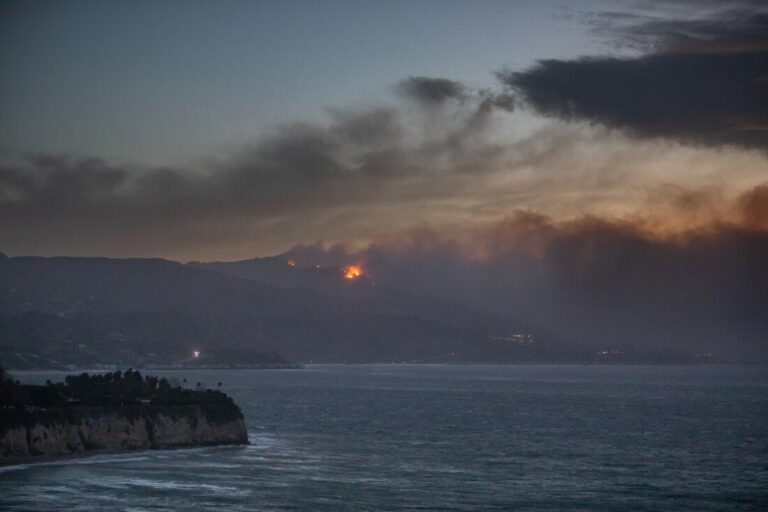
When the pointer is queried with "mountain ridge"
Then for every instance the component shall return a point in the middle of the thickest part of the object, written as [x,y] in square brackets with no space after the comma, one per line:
[203,309]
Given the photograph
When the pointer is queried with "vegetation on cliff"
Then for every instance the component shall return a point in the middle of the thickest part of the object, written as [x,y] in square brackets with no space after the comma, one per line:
[129,391]
[111,412]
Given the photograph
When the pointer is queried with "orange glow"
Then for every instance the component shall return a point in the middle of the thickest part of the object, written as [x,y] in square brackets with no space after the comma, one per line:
[353,271]
[291,263]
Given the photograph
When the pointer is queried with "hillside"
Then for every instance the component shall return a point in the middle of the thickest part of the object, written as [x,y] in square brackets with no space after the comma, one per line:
[60,311]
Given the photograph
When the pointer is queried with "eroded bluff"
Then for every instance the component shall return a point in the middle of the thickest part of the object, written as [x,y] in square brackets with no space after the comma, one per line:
[25,434]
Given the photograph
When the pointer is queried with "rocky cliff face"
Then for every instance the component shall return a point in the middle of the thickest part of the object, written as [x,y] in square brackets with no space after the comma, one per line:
[79,430]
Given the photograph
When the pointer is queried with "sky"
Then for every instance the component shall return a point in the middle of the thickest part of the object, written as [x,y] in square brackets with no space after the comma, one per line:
[228,130]
[168,82]
[592,167]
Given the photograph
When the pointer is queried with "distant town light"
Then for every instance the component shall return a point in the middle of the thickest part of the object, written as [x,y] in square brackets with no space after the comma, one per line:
[196,353]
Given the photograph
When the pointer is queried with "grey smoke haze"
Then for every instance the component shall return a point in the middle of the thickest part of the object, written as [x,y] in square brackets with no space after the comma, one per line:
[594,280]
[385,156]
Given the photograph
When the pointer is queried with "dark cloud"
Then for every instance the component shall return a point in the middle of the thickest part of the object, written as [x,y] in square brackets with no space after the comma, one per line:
[704,82]
[433,90]
[437,91]
[692,98]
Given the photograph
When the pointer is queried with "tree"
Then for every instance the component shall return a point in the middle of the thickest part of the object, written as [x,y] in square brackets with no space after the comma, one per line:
[164,386]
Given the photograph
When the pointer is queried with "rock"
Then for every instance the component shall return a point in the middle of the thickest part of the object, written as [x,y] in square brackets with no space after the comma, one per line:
[13,442]
[79,430]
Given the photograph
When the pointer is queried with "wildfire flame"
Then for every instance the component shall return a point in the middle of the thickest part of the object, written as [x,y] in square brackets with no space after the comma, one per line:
[353,271]
[291,263]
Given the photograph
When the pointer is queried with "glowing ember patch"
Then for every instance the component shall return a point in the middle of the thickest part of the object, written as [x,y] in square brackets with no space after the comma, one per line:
[353,271]
[291,263]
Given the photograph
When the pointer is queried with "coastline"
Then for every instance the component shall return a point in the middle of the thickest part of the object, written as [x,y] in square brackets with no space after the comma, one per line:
[47,459]
[29,434]
[111,412]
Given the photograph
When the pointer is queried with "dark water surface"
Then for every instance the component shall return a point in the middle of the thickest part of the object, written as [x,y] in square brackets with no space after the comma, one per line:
[445,438]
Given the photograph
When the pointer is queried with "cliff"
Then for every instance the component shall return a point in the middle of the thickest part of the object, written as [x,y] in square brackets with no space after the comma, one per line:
[26,434]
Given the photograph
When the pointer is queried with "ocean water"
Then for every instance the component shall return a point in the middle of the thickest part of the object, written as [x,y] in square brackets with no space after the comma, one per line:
[381,437]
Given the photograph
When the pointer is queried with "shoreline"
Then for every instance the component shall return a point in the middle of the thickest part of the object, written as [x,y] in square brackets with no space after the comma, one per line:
[111,413]
[147,369]
[47,459]
[379,363]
